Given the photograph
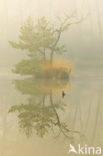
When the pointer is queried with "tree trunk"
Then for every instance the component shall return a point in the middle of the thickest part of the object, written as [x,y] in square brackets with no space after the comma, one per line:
[53,48]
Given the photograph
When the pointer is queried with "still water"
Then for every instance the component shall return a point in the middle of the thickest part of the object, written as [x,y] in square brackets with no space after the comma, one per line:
[36,120]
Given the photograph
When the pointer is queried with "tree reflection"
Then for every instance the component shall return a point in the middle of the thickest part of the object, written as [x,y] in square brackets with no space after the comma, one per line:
[40,113]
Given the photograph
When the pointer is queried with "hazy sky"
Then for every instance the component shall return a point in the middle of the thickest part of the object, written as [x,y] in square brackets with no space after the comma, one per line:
[14,12]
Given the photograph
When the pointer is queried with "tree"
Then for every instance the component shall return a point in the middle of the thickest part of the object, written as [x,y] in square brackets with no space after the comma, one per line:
[42,37]
[39,114]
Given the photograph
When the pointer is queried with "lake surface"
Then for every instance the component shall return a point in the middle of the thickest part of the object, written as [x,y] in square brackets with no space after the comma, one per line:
[36,120]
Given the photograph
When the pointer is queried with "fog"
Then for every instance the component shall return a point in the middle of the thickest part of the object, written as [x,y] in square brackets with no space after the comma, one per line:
[67,111]
[83,40]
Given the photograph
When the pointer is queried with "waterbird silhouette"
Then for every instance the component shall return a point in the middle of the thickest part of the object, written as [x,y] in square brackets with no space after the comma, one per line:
[63,94]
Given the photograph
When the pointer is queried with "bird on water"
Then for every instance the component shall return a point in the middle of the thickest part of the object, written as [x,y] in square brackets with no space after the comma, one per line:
[63,94]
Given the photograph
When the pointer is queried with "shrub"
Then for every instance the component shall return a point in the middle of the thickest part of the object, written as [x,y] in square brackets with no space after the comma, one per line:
[60,69]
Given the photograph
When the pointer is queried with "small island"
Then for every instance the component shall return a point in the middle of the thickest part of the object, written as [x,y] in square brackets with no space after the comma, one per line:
[41,41]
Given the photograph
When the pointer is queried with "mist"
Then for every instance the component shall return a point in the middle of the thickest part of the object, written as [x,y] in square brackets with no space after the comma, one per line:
[83,40]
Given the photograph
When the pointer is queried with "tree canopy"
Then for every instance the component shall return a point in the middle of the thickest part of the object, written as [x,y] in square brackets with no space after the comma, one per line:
[42,36]
[40,40]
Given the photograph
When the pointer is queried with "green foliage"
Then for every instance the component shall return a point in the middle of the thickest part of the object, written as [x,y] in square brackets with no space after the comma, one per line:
[34,67]
[35,116]
[40,39]
[35,37]
[28,67]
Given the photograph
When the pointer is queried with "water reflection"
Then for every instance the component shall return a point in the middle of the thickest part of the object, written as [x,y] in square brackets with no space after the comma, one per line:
[40,113]
[80,110]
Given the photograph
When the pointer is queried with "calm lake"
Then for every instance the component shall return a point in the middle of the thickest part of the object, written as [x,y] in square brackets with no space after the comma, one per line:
[36,120]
